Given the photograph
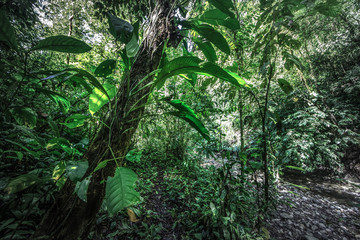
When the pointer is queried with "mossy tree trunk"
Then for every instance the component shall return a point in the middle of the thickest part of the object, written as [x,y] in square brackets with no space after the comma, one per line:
[69,217]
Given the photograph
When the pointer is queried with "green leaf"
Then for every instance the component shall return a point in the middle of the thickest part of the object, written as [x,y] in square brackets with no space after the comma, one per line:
[74,121]
[105,68]
[102,165]
[58,174]
[61,143]
[187,114]
[292,60]
[63,103]
[77,78]
[132,47]
[24,116]
[285,86]
[194,122]
[207,49]
[134,155]
[120,190]
[224,5]
[217,17]
[32,153]
[7,32]
[190,65]
[177,66]
[82,187]
[120,29]
[22,182]
[62,44]
[216,71]
[182,107]
[77,170]
[91,79]
[213,36]
[98,98]
[330,9]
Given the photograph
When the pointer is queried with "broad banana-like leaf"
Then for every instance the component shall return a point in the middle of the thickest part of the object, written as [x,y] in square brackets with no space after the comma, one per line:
[187,114]
[191,65]
[182,107]
[120,190]
[62,44]
[207,49]
[91,79]
[213,36]
[98,99]
[194,122]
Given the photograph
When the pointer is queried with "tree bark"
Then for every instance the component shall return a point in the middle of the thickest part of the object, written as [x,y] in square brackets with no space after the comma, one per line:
[69,217]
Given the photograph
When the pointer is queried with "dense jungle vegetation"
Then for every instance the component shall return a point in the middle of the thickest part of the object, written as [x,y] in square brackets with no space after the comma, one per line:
[170,119]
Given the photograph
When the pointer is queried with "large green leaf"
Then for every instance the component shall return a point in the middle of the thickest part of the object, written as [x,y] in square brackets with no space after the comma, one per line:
[98,98]
[7,32]
[216,71]
[76,170]
[224,6]
[120,190]
[91,78]
[77,78]
[120,29]
[62,44]
[24,116]
[217,17]
[194,122]
[177,66]
[132,47]
[213,36]
[105,68]
[74,121]
[22,182]
[82,187]
[285,86]
[190,65]
[187,114]
[207,49]
[182,107]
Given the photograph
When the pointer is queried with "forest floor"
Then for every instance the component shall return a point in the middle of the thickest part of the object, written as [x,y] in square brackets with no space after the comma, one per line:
[323,209]
[309,207]
[314,207]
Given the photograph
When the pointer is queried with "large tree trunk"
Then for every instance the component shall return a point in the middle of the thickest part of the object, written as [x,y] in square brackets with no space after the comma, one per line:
[71,218]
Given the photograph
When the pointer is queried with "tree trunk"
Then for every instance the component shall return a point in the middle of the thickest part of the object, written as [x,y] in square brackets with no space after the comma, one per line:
[71,218]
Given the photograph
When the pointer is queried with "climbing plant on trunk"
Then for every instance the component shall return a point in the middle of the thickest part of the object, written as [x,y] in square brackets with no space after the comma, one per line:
[70,217]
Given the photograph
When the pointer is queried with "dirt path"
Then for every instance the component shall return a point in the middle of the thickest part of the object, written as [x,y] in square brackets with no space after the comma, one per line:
[157,203]
[326,210]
